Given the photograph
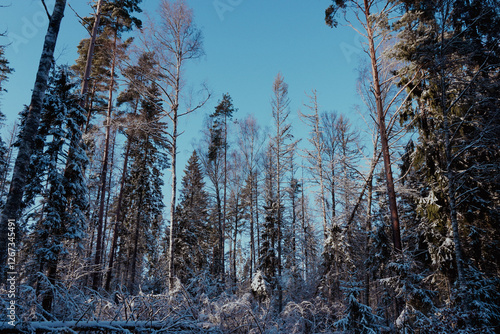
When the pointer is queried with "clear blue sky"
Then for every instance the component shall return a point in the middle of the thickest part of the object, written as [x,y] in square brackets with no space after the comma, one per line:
[247,42]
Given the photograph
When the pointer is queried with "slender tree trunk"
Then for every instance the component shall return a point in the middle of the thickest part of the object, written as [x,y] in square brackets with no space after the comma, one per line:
[12,208]
[317,133]
[133,265]
[106,230]
[236,218]
[294,228]
[171,273]
[218,264]
[252,236]
[376,157]
[278,190]
[96,281]
[368,230]
[459,258]
[453,214]
[90,56]
[10,149]
[48,297]
[304,229]
[223,266]
[257,225]
[89,102]
[332,192]
[396,234]
[118,222]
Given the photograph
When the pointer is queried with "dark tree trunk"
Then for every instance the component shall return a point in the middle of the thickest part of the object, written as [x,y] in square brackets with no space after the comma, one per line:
[118,222]
[48,296]
[12,209]
[133,265]
[96,280]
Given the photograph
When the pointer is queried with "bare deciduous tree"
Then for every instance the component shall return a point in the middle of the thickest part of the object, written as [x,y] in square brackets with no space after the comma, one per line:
[172,42]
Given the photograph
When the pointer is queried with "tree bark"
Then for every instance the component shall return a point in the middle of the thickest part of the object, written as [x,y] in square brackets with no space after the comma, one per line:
[396,234]
[12,209]
[96,281]
[171,273]
[235,236]
[304,229]
[133,265]
[48,296]
[252,235]
[90,56]
[118,215]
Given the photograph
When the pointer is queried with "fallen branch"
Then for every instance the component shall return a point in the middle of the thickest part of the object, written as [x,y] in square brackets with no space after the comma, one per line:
[51,326]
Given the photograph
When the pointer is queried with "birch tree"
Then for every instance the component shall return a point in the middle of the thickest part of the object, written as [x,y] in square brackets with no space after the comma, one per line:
[174,41]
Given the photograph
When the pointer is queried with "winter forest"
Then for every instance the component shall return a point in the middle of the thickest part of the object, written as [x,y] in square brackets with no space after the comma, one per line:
[390,225]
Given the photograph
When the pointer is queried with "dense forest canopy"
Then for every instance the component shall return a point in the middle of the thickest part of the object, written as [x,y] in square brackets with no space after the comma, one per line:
[314,223]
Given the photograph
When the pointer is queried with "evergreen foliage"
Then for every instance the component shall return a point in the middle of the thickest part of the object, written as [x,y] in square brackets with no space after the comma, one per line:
[143,198]
[357,317]
[192,243]
[56,175]
[5,70]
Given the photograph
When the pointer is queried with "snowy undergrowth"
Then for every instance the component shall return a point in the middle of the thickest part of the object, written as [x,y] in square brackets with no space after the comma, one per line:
[186,309]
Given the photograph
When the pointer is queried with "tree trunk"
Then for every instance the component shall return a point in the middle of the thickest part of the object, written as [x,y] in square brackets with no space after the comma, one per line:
[133,265]
[333,192]
[294,228]
[90,56]
[171,273]
[12,209]
[8,160]
[319,157]
[257,225]
[106,230]
[118,215]
[223,265]
[218,264]
[252,236]
[396,234]
[278,190]
[48,297]
[236,218]
[304,229]
[96,281]
[451,183]
[368,230]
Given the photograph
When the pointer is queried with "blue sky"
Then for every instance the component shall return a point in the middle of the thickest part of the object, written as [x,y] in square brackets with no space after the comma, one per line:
[247,42]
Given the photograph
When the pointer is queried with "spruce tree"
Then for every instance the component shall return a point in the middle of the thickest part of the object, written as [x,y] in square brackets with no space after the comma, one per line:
[217,153]
[143,197]
[192,243]
[454,108]
[57,177]
[268,257]
[455,47]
